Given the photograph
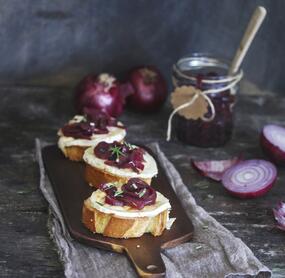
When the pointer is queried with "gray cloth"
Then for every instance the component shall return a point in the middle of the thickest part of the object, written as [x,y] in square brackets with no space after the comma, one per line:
[214,251]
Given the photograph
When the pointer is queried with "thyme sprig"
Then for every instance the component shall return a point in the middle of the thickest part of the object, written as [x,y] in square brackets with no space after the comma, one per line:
[142,193]
[128,145]
[118,193]
[109,185]
[116,150]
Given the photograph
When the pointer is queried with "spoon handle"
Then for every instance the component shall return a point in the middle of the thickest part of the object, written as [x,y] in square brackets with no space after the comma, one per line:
[250,32]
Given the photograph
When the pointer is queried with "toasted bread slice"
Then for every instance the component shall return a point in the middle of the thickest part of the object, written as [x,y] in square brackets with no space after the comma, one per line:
[113,226]
[74,148]
[95,177]
[98,170]
[74,153]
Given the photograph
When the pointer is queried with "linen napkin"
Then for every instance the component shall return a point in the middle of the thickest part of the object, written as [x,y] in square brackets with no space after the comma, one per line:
[213,252]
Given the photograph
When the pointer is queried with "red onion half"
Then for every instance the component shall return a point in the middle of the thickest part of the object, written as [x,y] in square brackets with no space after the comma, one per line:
[214,169]
[272,140]
[279,214]
[250,178]
[101,92]
[149,89]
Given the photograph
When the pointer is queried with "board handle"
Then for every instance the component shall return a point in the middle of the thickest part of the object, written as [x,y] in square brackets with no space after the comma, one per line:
[146,260]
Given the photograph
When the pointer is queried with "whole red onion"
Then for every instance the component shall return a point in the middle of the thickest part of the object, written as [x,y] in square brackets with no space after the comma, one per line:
[101,92]
[150,89]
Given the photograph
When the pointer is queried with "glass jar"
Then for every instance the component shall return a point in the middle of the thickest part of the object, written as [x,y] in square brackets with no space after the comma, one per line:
[206,72]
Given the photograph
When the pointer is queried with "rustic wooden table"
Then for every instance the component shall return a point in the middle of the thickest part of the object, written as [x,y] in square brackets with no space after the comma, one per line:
[26,249]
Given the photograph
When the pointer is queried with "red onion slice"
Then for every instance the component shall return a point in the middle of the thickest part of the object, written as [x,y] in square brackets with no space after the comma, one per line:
[279,214]
[272,140]
[214,169]
[250,178]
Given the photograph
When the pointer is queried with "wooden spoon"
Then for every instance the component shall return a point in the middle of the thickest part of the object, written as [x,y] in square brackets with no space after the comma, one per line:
[250,32]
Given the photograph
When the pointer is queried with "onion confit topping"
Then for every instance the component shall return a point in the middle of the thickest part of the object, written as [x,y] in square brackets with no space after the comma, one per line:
[121,155]
[94,122]
[135,193]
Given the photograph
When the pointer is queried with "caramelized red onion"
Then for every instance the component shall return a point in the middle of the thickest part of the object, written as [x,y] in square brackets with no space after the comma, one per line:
[100,118]
[135,193]
[120,155]
[82,130]
[96,122]
[102,150]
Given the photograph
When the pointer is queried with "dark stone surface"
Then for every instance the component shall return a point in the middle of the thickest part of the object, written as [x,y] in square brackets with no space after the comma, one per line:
[57,42]
[25,247]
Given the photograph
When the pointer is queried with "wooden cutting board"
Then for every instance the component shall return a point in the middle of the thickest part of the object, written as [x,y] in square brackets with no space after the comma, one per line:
[67,179]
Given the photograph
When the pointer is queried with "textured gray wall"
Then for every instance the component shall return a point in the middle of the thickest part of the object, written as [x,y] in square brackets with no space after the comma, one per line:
[48,42]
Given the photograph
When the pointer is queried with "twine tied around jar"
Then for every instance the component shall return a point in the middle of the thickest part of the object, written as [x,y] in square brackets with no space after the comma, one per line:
[232,80]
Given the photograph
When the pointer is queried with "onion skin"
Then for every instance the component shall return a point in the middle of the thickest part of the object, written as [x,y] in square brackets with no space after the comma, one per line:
[102,92]
[279,215]
[214,169]
[251,195]
[274,153]
[149,89]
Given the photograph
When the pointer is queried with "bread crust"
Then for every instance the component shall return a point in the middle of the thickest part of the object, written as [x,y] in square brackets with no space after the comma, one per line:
[74,153]
[95,177]
[117,227]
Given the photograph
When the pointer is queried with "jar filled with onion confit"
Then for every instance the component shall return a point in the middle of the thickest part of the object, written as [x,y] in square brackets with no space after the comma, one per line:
[203,100]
